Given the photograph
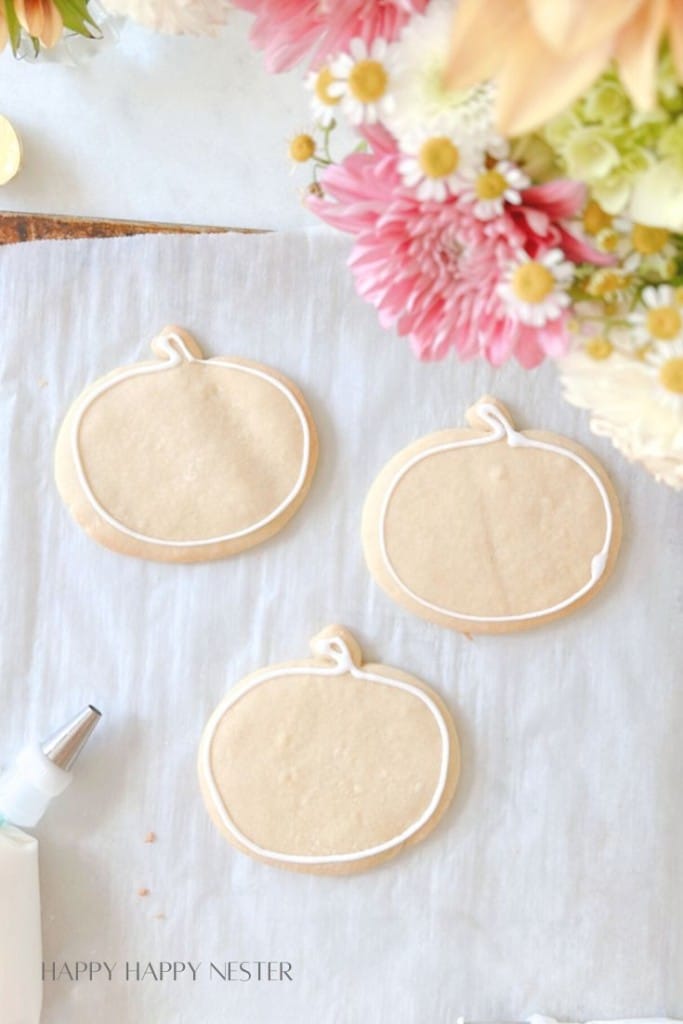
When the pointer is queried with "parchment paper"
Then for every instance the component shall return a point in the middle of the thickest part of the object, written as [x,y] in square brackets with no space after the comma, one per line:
[554,883]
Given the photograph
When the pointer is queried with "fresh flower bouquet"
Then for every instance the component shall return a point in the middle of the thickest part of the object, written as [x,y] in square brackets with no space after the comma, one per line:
[517,186]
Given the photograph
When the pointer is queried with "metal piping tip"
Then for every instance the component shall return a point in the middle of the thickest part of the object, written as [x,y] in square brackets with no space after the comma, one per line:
[64,746]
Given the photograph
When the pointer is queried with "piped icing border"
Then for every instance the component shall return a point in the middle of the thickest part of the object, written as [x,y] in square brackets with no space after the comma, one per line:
[501,430]
[174,348]
[336,649]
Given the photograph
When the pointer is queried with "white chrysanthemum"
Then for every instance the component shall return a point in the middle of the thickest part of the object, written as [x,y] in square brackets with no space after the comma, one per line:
[323,104]
[490,188]
[422,103]
[361,81]
[535,291]
[660,317]
[175,17]
[433,165]
[636,403]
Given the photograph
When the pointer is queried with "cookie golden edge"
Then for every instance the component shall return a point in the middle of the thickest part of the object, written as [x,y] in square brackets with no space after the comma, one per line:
[87,517]
[349,867]
[375,562]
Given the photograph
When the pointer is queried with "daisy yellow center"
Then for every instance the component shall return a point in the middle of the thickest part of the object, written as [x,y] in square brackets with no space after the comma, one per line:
[368,81]
[490,185]
[605,282]
[322,88]
[599,348]
[671,375]
[438,157]
[302,148]
[608,240]
[648,241]
[664,323]
[532,282]
[595,218]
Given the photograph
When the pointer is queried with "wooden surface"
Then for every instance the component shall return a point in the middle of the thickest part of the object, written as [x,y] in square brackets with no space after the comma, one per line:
[28,227]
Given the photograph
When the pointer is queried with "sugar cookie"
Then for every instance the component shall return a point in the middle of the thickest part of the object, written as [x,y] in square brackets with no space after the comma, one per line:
[328,765]
[490,530]
[185,459]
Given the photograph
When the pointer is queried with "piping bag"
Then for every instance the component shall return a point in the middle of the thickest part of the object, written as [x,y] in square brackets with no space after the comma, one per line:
[40,773]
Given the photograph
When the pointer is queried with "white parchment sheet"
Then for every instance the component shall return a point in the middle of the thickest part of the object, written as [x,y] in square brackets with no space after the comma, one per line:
[555,881]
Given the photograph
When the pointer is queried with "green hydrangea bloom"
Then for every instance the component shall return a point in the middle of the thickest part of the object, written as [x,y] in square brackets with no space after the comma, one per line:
[603,141]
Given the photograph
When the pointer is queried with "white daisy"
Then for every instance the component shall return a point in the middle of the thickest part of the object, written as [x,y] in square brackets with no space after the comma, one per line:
[323,104]
[422,103]
[433,166]
[660,318]
[652,251]
[666,361]
[361,81]
[535,290]
[490,188]
[636,403]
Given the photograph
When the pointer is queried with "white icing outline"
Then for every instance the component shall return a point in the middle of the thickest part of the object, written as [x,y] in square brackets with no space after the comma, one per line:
[501,429]
[175,356]
[333,647]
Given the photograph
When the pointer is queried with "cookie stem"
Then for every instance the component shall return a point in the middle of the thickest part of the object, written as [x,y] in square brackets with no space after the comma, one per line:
[176,345]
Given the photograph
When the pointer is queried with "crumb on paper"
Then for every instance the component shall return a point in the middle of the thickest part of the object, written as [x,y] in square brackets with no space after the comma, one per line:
[143,892]
[160,917]
[151,837]
[42,382]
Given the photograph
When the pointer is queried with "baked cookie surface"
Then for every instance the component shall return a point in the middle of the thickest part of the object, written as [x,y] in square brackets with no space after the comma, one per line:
[491,529]
[328,765]
[185,458]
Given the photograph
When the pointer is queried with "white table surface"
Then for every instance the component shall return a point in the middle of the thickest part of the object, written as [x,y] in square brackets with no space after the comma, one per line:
[158,128]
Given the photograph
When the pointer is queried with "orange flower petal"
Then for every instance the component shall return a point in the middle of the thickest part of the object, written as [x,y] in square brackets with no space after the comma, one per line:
[52,24]
[676,34]
[637,52]
[572,26]
[537,83]
[20,9]
[482,33]
[41,19]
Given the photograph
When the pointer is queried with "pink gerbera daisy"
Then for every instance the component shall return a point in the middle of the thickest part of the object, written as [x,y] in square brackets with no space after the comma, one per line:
[443,277]
[288,30]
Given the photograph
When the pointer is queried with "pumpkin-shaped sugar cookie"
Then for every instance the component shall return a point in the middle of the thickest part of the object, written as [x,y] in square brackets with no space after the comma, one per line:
[184,459]
[491,529]
[328,765]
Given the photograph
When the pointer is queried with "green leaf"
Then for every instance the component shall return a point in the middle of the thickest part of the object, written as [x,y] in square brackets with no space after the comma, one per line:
[76,17]
[13,26]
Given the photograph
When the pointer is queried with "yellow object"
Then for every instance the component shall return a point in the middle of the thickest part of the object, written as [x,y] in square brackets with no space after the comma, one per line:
[10,151]
[664,323]
[671,375]
[322,87]
[532,282]
[595,219]
[368,81]
[599,348]
[302,148]
[606,282]
[648,241]
[438,157]
[490,185]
